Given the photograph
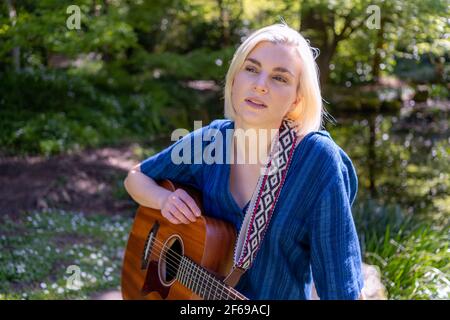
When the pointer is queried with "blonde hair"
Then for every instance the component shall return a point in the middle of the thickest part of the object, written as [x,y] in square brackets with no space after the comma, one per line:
[309,111]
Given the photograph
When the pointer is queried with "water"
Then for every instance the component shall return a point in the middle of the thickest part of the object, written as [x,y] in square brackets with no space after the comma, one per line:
[401,158]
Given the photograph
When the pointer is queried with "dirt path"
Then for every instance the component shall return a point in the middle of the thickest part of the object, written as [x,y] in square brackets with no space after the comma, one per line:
[90,181]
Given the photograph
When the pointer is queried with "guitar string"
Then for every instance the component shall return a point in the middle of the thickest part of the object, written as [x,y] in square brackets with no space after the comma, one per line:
[216,284]
[199,283]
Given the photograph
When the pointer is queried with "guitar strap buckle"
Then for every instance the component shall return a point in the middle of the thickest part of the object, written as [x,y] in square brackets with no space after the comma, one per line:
[233,278]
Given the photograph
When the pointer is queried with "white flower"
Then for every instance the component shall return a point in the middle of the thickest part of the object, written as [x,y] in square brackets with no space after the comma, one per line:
[20,268]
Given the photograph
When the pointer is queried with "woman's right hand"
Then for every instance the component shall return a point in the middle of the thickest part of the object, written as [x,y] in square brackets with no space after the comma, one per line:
[179,207]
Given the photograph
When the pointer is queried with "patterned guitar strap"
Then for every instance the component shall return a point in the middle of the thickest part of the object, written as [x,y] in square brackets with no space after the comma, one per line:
[262,204]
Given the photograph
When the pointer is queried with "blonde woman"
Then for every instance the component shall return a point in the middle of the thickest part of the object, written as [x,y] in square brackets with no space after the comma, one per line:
[271,86]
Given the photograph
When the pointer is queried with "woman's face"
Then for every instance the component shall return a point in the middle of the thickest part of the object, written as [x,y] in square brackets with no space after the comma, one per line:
[268,76]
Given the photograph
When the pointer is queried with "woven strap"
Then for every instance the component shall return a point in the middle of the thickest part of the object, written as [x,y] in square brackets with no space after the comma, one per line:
[263,202]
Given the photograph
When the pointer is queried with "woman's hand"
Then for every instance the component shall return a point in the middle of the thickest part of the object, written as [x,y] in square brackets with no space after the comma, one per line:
[179,207]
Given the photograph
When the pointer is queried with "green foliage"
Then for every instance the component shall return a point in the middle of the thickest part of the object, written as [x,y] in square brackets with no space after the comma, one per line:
[202,64]
[40,30]
[51,111]
[439,91]
[400,36]
[413,256]
[48,113]
[403,224]
[410,163]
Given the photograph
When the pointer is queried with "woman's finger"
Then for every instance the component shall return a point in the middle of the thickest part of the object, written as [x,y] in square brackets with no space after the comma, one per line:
[182,207]
[187,199]
[178,214]
[170,217]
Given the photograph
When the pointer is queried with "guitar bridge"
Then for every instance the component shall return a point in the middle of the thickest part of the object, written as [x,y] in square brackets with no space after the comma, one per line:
[148,246]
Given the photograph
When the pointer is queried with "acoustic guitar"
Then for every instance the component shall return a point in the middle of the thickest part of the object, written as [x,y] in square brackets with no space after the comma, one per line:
[178,262]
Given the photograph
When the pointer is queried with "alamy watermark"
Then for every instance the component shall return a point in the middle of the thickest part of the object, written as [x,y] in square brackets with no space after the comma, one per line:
[74,280]
[73,22]
[210,145]
[373,21]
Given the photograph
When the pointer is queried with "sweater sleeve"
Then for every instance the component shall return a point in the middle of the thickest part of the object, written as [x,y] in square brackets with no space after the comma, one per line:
[335,250]
[181,162]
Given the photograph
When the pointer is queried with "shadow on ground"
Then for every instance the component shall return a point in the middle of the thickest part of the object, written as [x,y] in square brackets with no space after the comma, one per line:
[90,181]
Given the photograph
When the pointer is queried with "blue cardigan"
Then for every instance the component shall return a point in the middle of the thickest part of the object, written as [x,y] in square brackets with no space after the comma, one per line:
[311,233]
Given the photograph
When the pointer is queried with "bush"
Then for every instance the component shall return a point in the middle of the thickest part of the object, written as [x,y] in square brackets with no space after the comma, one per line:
[69,113]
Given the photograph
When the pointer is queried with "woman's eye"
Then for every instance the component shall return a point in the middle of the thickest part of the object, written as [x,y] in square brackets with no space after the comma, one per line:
[281,79]
[278,78]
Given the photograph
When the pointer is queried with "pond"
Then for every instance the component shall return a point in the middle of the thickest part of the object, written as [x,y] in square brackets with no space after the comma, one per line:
[401,158]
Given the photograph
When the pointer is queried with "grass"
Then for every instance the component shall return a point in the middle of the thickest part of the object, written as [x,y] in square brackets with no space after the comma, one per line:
[412,254]
[59,255]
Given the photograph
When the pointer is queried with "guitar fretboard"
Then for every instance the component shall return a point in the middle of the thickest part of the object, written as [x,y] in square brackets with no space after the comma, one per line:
[202,283]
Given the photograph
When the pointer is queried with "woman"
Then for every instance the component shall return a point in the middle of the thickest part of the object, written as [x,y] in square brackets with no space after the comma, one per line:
[272,81]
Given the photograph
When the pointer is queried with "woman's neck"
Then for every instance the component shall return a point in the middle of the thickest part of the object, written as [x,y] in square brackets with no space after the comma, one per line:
[252,143]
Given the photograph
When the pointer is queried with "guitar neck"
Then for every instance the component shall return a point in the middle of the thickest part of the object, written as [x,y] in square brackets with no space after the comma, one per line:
[202,283]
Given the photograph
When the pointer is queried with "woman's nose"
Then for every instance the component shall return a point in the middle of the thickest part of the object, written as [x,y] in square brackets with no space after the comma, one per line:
[260,85]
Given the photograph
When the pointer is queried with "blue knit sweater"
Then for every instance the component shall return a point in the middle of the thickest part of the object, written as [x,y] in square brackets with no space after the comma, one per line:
[311,234]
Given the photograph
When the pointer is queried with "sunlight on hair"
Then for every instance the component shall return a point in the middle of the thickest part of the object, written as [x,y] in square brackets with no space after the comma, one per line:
[309,111]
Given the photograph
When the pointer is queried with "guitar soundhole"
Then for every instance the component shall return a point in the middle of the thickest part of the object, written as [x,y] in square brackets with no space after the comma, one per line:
[170,259]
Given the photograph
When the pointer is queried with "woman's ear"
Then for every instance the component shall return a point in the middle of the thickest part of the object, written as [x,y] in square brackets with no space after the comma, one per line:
[295,104]
[294,110]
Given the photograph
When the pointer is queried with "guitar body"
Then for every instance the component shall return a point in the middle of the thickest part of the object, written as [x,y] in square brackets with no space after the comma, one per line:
[151,262]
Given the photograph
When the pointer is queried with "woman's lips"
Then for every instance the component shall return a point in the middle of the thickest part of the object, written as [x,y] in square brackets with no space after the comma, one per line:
[255,105]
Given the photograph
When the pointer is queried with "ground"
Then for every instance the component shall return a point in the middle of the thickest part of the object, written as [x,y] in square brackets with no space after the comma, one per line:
[90,181]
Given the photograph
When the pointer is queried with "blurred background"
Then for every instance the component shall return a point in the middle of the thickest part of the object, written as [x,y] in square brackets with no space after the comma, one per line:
[90,88]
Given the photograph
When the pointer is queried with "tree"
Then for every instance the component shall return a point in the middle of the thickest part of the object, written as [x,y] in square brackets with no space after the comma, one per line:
[327,23]
[16,50]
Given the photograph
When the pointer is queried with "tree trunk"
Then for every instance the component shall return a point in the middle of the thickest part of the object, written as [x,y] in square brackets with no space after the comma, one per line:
[323,62]
[224,21]
[15,50]
[318,24]
[372,155]
[318,27]
[377,57]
